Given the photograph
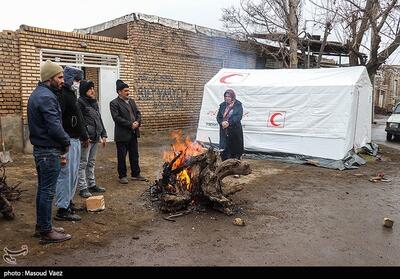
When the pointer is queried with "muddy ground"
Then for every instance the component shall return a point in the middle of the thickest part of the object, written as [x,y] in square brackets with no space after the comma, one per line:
[295,215]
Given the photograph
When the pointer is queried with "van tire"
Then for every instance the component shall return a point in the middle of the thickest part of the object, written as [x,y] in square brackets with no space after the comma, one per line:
[389,137]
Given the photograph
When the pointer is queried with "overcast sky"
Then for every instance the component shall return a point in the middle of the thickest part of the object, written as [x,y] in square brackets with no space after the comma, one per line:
[70,14]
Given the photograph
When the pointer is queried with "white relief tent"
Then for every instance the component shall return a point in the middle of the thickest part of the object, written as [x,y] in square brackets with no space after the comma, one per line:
[320,113]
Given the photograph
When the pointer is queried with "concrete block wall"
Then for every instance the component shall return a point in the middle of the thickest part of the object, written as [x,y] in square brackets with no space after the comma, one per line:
[11,132]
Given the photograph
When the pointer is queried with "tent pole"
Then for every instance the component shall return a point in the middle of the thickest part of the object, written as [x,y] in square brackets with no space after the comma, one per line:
[373,100]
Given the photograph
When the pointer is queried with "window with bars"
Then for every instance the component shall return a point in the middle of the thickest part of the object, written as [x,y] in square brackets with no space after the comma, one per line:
[79,58]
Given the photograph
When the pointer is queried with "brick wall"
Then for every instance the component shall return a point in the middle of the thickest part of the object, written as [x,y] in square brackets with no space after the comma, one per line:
[165,67]
[171,67]
[32,40]
[10,92]
[10,87]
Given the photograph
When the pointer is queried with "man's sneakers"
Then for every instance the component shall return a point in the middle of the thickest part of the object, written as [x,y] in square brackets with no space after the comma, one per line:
[96,189]
[66,215]
[75,207]
[123,180]
[84,193]
[139,178]
[54,237]
[87,192]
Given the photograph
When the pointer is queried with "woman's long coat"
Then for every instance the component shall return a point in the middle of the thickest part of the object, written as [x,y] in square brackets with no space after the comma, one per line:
[231,138]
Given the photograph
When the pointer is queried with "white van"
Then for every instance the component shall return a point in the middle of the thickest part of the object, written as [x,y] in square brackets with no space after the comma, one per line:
[393,124]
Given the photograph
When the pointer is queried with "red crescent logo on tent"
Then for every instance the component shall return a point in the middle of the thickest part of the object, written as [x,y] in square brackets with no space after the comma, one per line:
[225,78]
[272,119]
[276,123]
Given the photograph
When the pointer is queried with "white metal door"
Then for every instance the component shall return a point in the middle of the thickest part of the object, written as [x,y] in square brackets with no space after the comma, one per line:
[108,77]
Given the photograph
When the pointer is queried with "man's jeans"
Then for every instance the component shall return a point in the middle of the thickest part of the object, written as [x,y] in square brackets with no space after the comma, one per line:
[48,168]
[86,166]
[68,178]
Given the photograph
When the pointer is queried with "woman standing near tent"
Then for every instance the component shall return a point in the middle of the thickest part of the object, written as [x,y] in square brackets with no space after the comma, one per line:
[230,128]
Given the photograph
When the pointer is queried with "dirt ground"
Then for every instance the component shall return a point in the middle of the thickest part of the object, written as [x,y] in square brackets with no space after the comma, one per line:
[296,215]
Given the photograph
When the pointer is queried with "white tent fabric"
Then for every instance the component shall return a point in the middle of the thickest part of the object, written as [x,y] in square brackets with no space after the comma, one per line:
[321,113]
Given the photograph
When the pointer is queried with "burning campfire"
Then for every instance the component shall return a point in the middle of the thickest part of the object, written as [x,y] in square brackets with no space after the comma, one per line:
[192,175]
[179,153]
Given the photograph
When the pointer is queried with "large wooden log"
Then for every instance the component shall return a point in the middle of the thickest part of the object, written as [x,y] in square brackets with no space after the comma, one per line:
[206,174]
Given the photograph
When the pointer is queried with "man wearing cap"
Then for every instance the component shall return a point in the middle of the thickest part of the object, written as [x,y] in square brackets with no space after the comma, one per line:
[127,118]
[95,128]
[49,141]
[74,125]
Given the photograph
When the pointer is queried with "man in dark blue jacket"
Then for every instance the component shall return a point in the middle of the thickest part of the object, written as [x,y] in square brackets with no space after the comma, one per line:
[49,141]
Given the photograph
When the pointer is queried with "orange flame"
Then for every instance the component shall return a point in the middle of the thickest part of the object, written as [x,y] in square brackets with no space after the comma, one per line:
[187,149]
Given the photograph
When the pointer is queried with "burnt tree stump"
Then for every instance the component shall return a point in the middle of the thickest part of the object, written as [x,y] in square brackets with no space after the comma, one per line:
[203,183]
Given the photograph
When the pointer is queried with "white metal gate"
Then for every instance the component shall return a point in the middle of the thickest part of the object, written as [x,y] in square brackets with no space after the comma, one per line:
[107,88]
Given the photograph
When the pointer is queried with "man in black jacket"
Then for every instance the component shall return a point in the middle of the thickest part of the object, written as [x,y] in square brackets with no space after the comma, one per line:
[127,120]
[49,141]
[95,128]
[74,125]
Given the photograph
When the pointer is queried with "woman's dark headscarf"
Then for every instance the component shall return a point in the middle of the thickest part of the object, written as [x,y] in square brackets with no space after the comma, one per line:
[230,93]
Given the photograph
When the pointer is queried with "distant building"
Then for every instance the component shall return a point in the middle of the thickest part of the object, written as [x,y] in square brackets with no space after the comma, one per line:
[387,87]
[328,63]
[309,49]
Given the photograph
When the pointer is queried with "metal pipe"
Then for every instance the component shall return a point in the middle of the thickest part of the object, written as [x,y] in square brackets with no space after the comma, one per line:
[308,53]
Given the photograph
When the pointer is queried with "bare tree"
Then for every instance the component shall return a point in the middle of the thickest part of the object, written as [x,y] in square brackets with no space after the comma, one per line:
[273,17]
[381,19]
[328,28]
[371,26]
[293,27]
